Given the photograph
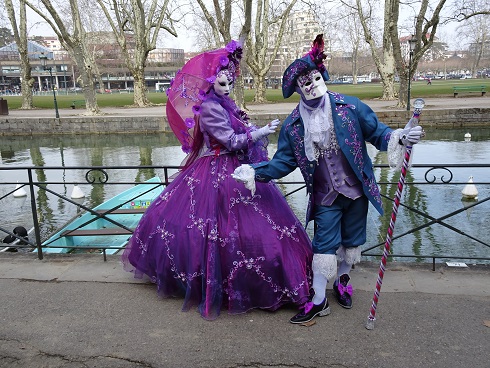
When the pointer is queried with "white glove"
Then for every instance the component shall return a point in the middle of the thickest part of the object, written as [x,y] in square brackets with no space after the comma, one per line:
[410,136]
[246,175]
[266,130]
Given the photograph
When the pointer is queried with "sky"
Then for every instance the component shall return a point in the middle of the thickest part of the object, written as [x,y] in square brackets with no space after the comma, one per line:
[447,33]
[39,27]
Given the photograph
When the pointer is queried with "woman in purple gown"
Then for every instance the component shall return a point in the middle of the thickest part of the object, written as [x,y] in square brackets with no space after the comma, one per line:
[206,237]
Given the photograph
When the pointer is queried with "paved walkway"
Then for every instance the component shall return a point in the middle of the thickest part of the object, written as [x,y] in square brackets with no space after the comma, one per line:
[79,311]
[282,107]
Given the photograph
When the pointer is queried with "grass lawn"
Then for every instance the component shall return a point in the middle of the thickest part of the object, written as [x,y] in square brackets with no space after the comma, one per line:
[439,88]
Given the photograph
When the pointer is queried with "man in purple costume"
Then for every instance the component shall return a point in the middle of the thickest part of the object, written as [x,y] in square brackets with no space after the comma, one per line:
[325,137]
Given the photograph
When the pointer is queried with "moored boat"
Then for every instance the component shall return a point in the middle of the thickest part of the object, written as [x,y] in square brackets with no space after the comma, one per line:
[107,226]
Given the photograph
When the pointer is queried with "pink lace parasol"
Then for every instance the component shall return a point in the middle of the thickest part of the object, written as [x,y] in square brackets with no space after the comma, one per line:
[189,87]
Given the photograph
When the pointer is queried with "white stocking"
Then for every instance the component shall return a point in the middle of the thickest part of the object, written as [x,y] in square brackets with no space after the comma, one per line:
[348,257]
[319,285]
[344,268]
[324,268]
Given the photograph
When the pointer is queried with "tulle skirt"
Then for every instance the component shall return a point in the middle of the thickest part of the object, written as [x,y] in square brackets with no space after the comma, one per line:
[206,239]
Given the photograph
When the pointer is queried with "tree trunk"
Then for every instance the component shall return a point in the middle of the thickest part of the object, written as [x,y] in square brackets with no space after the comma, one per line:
[391,59]
[27,83]
[143,22]
[260,89]
[20,36]
[140,92]
[86,80]
[389,93]
[75,44]
[239,93]
[260,54]
[403,91]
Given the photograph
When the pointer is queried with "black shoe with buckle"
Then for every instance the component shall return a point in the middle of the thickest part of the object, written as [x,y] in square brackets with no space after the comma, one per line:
[310,311]
[343,291]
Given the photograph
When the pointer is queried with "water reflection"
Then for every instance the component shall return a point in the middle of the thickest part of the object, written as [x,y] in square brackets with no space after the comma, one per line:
[441,146]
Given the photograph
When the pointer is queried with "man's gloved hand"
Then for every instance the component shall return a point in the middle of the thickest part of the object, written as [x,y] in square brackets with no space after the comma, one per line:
[246,175]
[410,136]
[266,130]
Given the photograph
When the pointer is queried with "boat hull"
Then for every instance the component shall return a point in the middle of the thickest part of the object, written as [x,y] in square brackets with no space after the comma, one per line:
[108,226]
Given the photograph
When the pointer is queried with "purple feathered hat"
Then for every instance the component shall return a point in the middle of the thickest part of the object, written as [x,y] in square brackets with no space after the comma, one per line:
[312,60]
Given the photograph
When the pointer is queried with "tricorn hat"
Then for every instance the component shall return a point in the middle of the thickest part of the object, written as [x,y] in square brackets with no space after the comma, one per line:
[311,61]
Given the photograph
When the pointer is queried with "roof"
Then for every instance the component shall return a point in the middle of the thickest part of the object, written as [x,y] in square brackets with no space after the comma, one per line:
[33,49]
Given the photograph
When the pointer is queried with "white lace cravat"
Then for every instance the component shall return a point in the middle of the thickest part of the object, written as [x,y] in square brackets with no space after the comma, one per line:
[319,129]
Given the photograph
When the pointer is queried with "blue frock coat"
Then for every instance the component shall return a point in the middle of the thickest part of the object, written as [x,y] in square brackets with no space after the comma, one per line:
[355,123]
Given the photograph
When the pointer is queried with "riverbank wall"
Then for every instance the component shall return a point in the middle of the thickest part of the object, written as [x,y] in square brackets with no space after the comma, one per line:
[84,125]
[444,118]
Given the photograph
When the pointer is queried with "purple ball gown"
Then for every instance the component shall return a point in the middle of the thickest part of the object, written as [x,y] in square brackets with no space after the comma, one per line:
[208,240]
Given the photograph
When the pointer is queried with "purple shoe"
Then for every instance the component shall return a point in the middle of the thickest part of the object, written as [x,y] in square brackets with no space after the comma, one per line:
[310,311]
[343,292]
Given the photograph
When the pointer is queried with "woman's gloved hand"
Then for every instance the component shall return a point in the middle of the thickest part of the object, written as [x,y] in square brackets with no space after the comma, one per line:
[266,130]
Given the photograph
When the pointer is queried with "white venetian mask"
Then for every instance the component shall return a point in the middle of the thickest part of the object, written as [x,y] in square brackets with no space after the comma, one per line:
[223,83]
[312,85]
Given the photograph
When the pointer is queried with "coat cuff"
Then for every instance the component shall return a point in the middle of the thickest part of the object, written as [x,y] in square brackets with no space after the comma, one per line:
[396,151]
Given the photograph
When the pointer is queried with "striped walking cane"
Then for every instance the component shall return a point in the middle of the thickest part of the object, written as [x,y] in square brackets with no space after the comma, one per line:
[418,105]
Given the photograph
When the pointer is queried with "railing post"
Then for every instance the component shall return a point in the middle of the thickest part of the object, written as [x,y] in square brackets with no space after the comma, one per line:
[34,216]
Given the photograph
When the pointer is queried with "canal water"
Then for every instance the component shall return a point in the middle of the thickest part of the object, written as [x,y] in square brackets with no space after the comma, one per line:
[429,201]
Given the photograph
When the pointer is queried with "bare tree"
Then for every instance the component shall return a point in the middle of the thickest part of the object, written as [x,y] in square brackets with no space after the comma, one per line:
[388,56]
[73,37]
[354,39]
[244,34]
[426,24]
[139,22]
[204,38]
[20,36]
[261,54]
[477,32]
[348,33]
[99,36]
[385,62]
[466,9]
[473,16]
[220,18]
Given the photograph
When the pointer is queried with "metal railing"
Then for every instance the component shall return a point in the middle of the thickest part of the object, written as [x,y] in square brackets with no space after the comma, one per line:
[434,175]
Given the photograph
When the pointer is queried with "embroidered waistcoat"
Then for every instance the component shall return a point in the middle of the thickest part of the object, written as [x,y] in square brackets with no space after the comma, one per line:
[333,175]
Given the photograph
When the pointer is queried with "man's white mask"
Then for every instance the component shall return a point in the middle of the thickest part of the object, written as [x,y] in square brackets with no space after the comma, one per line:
[312,85]
[223,83]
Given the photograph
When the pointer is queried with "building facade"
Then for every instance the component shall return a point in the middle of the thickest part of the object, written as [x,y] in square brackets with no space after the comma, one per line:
[161,65]
[301,29]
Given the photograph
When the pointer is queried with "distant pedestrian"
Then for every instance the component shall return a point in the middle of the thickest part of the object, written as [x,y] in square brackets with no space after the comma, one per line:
[429,81]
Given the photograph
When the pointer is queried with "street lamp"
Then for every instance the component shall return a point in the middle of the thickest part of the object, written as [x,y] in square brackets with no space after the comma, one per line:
[64,67]
[411,43]
[44,61]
